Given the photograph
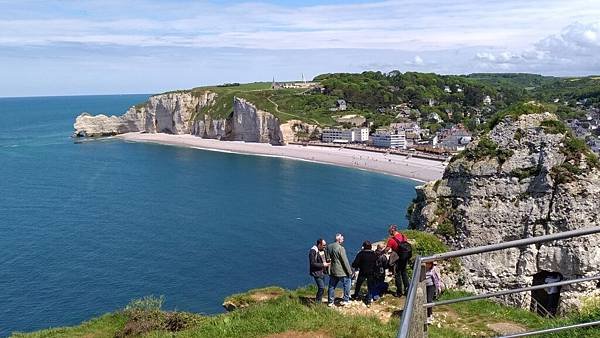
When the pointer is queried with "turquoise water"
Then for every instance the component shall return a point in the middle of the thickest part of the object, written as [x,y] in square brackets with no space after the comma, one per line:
[87,226]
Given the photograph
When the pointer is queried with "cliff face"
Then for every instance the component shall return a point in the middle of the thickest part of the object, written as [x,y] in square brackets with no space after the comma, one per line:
[526,178]
[181,113]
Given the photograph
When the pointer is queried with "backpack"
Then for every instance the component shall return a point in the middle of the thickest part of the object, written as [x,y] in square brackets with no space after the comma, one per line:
[403,247]
[380,266]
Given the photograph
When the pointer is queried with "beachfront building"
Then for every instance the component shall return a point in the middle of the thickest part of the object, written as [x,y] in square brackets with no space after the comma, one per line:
[336,135]
[386,139]
[454,139]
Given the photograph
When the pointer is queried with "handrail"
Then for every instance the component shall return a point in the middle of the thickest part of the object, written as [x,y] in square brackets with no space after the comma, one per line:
[511,291]
[404,330]
[551,330]
[512,244]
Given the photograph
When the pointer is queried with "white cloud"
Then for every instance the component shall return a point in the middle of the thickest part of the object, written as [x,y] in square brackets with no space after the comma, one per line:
[416,61]
[575,48]
[402,25]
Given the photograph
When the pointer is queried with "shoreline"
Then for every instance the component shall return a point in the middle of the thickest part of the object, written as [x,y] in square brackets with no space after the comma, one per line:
[416,169]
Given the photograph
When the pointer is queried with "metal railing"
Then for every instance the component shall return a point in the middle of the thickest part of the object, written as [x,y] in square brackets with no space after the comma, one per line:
[413,320]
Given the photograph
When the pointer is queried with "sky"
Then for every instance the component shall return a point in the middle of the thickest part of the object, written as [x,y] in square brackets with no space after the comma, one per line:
[67,47]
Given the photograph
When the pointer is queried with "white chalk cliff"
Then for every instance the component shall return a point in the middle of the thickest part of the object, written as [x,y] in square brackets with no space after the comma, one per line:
[182,113]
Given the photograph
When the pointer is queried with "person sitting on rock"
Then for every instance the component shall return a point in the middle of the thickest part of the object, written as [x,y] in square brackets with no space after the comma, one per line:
[318,266]
[365,263]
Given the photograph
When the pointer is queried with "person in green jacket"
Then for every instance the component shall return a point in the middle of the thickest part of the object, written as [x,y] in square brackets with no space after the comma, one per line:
[339,270]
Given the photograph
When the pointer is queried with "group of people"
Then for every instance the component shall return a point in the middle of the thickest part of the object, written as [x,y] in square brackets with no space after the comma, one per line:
[371,265]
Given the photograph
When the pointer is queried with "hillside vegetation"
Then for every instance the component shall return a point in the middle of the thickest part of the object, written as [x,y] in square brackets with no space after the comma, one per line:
[377,95]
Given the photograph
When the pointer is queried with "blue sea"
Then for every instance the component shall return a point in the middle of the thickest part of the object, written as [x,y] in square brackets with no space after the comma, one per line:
[87,226]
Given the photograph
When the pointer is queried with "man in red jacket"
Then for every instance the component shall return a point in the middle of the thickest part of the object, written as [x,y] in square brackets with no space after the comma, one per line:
[394,244]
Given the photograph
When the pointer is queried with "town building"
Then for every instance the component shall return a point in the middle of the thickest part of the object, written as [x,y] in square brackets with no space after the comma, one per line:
[294,84]
[435,116]
[487,100]
[594,144]
[454,139]
[411,130]
[336,135]
[386,139]
[340,105]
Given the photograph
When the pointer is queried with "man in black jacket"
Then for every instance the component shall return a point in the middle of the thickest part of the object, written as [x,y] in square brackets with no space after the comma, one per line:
[317,266]
[365,263]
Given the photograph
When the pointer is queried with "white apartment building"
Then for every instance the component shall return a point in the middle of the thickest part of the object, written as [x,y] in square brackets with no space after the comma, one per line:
[385,139]
[354,135]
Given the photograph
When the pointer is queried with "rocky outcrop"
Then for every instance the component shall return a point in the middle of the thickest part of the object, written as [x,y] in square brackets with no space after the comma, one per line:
[296,130]
[525,178]
[183,113]
[166,113]
[251,124]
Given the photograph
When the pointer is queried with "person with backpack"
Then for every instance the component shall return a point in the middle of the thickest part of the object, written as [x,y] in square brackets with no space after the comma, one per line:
[398,243]
[365,263]
[318,266]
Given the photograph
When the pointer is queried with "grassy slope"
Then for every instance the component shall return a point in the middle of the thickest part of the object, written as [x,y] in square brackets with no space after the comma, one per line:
[289,312]
[286,104]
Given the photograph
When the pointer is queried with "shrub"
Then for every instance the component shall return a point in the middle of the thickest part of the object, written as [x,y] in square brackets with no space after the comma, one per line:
[515,111]
[523,173]
[426,244]
[486,148]
[554,127]
[446,228]
[144,315]
[146,303]
[519,133]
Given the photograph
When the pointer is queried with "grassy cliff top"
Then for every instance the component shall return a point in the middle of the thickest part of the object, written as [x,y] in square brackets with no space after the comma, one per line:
[292,314]
[286,104]
[377,95]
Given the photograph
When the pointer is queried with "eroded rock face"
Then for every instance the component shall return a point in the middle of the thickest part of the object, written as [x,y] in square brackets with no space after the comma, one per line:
[292,128]
[493,199]
[253,125]
[182,113]
[166,113]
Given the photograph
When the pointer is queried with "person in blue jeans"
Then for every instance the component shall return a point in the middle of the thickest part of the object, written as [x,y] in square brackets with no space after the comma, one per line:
[339,271]
[318,266]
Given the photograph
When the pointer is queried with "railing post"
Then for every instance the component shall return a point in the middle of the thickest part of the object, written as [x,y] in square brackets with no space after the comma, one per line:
[414,317]
[418,322]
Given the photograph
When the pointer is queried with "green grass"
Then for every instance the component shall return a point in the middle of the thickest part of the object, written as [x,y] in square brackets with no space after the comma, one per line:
[286,104]
[281,314]
[290,312]
[104,326]
[250,297]
[477,314]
